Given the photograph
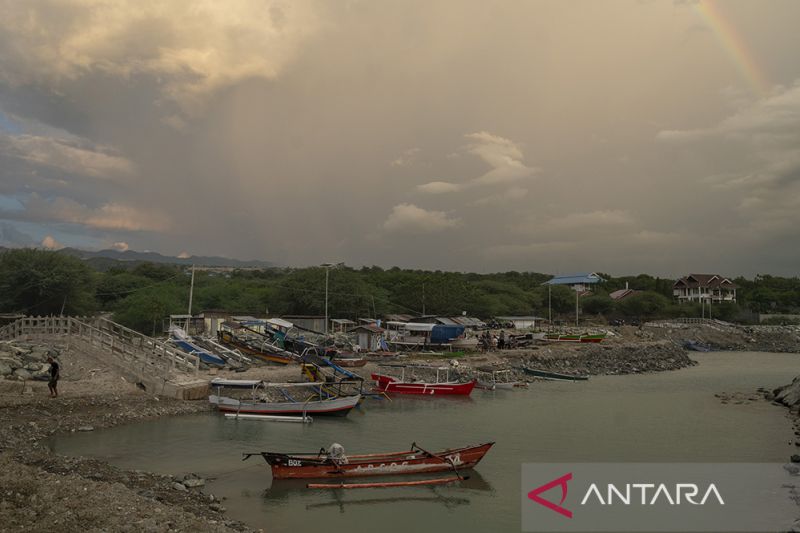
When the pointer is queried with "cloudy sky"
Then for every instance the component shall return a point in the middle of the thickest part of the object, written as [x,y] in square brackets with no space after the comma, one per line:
[557,136]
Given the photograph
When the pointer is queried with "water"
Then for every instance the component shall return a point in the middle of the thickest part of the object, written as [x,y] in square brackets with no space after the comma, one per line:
[664,417]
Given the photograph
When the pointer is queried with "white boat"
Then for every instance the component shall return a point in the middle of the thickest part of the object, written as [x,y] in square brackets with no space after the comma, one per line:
[338,406]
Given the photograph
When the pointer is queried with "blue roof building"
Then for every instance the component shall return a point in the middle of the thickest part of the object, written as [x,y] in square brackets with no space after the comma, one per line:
[575,279]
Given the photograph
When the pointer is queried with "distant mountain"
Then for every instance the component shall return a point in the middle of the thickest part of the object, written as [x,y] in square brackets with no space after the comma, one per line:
[154,257]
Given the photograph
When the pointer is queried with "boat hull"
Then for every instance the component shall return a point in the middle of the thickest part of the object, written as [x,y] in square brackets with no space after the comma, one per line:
[392,385]
[269,357]
[286,466]
[334,407]
[546,374]
[574,338]
[349,362]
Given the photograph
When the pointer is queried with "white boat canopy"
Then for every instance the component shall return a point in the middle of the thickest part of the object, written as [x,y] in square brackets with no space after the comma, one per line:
[279,322]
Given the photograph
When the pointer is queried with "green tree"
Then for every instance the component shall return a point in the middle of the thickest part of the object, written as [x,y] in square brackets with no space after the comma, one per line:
[145,310]
[45,283]
[646,304]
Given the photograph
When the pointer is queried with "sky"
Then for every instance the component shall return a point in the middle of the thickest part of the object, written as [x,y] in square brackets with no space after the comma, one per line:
[559,136]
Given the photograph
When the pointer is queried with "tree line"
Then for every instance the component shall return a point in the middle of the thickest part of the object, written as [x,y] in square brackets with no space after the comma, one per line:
[140,295]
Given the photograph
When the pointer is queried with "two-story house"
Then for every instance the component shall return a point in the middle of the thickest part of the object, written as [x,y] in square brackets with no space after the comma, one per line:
[711,288]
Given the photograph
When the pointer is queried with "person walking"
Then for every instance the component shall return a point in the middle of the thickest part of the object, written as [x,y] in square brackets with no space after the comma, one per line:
[55,373]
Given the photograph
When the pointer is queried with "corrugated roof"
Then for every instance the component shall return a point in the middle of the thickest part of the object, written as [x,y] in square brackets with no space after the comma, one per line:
[447,321]
[513,318]
[574,279]
[468,321]
[372,328]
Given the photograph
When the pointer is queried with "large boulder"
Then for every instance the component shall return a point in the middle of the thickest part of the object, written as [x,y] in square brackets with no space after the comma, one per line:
[23,374]
[13,362]
[789,395]
[5,370]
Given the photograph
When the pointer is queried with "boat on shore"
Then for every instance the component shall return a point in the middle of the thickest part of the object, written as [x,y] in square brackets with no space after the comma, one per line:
[259,348]
[439,387]
[573,337]
[547,374]
[180,339]
[333,463]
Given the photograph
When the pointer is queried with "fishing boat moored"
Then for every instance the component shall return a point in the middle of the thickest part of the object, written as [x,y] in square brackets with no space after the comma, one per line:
[326,399]
[439,387]
[333,463]
[546,374]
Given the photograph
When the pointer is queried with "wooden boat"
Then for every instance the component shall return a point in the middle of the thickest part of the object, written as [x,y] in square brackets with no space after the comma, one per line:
[326,464]
[546,374]
[385,383]
[347,361]
[180,339]
[325,399]
[583,337]
[338,406]
[385,485]
[263,350]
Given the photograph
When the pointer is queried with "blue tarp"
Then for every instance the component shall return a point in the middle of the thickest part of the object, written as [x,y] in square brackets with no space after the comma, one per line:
[441,334]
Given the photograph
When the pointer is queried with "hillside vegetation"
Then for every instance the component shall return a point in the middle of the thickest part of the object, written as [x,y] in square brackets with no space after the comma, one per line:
[140,295]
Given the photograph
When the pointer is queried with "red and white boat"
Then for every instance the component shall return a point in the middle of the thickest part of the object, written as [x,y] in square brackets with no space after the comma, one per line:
[334,463]
[391,384]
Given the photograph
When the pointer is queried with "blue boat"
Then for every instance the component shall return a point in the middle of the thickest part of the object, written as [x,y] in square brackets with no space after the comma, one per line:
[182,341]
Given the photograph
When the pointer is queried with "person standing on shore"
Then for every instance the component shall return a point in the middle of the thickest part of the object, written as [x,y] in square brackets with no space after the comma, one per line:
[55,373]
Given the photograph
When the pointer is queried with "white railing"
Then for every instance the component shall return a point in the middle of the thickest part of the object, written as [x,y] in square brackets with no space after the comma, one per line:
[138,352]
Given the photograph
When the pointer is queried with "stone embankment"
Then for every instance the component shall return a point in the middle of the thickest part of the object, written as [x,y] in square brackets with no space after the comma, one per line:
[23,360]
[599,359]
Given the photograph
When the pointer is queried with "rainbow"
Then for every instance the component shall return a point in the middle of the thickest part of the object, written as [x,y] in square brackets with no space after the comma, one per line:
[734,45]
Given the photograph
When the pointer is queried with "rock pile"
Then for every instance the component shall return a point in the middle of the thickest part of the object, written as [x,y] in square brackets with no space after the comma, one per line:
[789,395]
[615,359]
[23,360]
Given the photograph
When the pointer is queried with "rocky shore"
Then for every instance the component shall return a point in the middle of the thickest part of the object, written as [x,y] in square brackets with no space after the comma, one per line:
[44,491]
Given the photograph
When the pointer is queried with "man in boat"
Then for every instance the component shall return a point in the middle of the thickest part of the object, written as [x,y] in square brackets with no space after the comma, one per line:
[55,373]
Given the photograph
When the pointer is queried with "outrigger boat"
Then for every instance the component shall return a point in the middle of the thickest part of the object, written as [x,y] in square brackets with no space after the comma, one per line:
[546,374]
[326,399]
[569,337]
[180,339]
[385,383]
[333,463]
[256,345]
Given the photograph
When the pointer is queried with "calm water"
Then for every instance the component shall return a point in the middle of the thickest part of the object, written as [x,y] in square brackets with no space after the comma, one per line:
[665,417]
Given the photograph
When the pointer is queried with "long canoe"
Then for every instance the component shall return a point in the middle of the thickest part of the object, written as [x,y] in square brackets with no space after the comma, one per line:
[413,461]
[331,407]
[547,374]
[568,337]
[390,384]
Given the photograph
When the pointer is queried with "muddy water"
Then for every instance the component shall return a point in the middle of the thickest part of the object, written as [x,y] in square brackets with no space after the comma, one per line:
[662,417]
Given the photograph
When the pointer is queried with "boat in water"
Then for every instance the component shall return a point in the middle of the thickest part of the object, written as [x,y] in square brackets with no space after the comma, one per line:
[439,387]
[547,374]
[326,399]
[571,337]
[334,463]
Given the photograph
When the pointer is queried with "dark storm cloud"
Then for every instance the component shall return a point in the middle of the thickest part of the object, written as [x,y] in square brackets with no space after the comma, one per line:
[465,135]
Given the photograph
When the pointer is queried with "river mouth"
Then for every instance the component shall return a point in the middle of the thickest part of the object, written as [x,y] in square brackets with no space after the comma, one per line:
[665,417]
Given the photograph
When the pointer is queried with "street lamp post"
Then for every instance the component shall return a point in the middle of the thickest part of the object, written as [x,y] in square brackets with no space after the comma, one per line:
[328,267]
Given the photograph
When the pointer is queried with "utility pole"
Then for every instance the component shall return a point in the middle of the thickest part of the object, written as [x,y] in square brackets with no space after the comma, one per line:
[191,295]
[423,298]
[577,296]
[328,267]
